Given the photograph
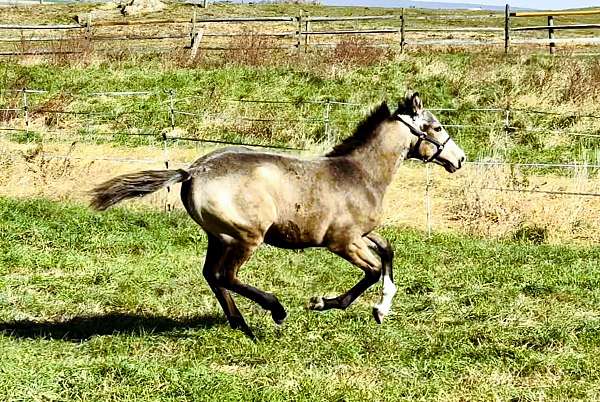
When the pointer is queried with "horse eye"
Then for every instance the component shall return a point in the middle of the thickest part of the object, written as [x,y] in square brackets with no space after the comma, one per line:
[437,129]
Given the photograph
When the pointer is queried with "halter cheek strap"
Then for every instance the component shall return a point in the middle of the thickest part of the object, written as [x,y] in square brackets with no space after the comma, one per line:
[422,136]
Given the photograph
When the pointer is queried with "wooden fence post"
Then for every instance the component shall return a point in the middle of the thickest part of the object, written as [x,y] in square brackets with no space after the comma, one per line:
[307,28]
[88,29]
[402,24]
[193,29]
[506,28]
[196,43]
[551,34]
[196,37]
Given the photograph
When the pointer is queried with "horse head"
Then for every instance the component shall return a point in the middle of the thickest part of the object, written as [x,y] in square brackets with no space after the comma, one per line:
[431,142]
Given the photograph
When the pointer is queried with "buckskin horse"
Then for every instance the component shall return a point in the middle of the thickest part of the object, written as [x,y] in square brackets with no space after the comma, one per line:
[243,198]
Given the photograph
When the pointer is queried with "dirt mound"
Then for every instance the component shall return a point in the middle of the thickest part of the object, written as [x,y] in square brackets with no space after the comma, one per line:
[137,7]
[114,10]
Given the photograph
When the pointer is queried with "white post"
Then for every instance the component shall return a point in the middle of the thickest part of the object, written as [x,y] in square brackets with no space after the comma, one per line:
[196,43]
[166,145]
[428,185]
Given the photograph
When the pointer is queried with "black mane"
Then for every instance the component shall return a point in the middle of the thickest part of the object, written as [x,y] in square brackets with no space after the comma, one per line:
[363,133]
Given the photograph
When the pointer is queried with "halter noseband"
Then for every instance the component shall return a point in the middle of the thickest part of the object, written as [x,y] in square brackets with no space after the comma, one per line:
[422,136]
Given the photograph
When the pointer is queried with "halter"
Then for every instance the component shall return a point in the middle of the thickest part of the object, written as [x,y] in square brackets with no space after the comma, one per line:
[422,136]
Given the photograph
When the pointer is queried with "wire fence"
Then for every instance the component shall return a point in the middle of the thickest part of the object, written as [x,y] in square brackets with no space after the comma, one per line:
[166,138]
[25,110]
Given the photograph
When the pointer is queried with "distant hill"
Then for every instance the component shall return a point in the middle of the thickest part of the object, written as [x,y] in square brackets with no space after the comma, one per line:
[415,4]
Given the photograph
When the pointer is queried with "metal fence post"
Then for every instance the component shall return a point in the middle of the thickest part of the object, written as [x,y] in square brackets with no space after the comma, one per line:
[402,24]
[299,34]
[25,111]
[172,108]
[506,28]
[551,34]
[507,119]
[326,121]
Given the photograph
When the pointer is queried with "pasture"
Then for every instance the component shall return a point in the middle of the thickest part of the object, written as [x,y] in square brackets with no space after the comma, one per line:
[113,306]
[501,302]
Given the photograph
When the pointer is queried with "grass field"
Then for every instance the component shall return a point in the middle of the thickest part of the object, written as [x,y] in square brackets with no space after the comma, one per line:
[113,306]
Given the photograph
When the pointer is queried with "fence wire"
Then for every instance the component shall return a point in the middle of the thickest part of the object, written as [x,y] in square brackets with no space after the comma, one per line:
[171,99]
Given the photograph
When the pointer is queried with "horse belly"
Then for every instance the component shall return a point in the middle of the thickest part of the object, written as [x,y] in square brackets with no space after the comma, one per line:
[289,235]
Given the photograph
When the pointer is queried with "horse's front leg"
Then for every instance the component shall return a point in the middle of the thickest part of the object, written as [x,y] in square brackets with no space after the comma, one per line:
[372,254]
[386,254]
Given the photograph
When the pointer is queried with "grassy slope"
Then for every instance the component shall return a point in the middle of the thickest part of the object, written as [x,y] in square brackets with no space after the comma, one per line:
[113,307]
[446,80]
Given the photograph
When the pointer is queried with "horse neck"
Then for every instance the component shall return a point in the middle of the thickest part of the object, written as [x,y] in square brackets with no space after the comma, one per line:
[380,157]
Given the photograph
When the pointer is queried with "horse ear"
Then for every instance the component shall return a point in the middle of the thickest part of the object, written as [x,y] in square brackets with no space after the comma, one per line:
[416,104]
[412,103]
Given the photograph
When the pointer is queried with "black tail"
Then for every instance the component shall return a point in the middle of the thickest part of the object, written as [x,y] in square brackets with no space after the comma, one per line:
[132,185]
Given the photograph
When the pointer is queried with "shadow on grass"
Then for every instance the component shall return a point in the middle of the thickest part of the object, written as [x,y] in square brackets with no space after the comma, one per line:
[83,328]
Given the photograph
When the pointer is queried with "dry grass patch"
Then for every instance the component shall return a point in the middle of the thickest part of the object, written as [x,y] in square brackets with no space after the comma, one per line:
[467,201]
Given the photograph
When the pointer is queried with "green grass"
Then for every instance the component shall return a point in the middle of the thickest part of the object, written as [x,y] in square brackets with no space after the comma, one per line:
[113,306]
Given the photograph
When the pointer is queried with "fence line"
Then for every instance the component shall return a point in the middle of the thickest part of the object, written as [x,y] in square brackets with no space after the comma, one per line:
[428,182]
[27,110]
[535,164]
[301,29]
[522,190]
[476,163]
[292,102]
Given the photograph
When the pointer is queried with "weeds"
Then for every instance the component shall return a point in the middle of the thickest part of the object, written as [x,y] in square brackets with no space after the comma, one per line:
[254,49]
[75,49]
[358,51]
[532,234]
[582,81]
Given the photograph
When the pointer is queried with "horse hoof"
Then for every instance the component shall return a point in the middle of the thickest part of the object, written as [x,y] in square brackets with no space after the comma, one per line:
[279,317]
[378,315]
[316,303]
[239,324]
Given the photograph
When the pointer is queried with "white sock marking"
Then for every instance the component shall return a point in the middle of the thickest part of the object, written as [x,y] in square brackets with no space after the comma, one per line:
[387,294]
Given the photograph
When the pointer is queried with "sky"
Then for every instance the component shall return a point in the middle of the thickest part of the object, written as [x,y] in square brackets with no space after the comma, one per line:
[541,4]
[535,4]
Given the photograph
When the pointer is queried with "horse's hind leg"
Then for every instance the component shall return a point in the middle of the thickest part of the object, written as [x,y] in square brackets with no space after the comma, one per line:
[237,255]
[360,254]
[213,273]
